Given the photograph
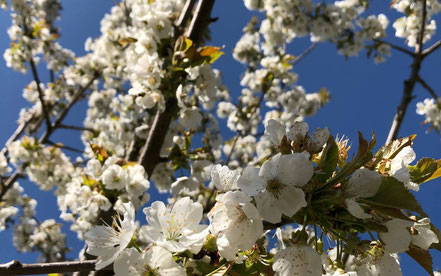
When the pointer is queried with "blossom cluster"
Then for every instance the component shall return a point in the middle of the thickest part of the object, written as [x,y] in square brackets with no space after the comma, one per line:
[430,108]
[296,186]
[228,198]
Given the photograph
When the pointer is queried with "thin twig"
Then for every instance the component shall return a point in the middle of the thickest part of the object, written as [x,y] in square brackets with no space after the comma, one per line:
[427,87]
[43,139]
[432,48]
[17,268]
[65,111]
[232,149]
[396,47]
[61,146]
[76,128]
[308,50]
[409,84]
[44,108]
[17,133]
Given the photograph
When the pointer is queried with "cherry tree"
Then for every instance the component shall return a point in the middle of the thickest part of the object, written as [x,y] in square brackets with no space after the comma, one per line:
[275,199]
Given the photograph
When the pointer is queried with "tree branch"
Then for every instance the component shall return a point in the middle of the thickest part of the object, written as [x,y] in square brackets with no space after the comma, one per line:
[65,111]
[150,153]
[17,268]
[308,50]
[44,138]
[185,14]
[61,146]
[76,128]
[432,48]
[409,84]
[44,108]
[17,133]
[427,87]
[396,47]
[200,21]
[419,49]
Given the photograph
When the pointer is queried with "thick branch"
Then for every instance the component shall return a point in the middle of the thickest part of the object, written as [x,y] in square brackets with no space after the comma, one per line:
[17,268]
[185,15]
[150,157]
[200,21]
[419,49]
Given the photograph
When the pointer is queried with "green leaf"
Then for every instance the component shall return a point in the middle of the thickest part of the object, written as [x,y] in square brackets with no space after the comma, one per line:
[187,43]
[205,268]
[426,169]
[329,159]
[393,194]
[391,150]
[364,154]
[393,212]
[422,257]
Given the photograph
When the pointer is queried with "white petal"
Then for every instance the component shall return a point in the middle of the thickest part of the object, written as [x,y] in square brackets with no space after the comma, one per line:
[298,261]
[270,168]
[363,183]
[355,209]
[266,204]
[298,132]
[318,139]
[223,178]
[397,239]
[250,182]
[386,265]
[295,169]
[275,131]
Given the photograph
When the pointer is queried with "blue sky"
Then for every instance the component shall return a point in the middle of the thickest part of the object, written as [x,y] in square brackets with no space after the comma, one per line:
[364,97]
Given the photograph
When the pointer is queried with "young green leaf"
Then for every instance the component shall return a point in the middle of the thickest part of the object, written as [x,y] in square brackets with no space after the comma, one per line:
[393,194]
[426,169]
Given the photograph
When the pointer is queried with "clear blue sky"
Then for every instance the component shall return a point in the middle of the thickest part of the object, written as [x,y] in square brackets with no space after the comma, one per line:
[364,97]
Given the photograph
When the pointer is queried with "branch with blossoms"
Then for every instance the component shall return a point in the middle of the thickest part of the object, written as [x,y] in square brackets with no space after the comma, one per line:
[279,196]
[332,196]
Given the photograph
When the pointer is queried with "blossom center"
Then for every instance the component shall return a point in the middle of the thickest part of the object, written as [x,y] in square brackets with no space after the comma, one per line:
[274,187]
[148,271]
[174,231]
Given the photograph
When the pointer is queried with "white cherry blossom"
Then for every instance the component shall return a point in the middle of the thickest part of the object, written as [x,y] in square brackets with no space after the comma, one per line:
[235,222]
[363,183]
[154,260]
[107,242]
[276,186]
[397,239]
[223,178]
[425,237]
[298,260]
[176,229]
